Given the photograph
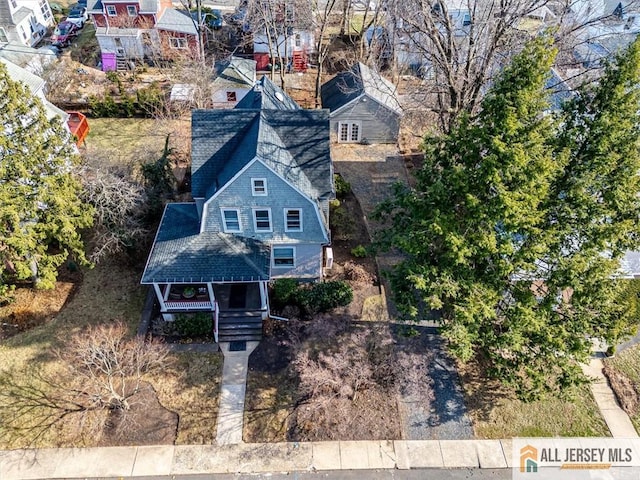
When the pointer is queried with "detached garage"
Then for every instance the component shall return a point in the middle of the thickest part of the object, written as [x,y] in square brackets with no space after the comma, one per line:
[363,106]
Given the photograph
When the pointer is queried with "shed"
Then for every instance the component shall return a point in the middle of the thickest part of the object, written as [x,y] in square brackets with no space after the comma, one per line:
[364,106]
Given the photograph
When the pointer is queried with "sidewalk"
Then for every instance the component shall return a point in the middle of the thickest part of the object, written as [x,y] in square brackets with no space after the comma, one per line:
[252,458]
[616,419]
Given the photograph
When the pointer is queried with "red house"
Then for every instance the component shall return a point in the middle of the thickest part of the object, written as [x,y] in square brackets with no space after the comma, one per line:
[129,30]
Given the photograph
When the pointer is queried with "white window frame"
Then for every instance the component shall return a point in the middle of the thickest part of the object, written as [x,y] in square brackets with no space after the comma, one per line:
[14,4]
[111,10]
[255,220]
[131,8]
[287,228]
[225,226]
[44,8]
[288,265]
[254,191]
[178,43]
[349,132]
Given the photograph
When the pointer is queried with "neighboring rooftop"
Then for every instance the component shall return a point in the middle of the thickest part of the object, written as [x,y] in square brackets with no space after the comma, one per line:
[235,72]
[357,81]
[174,20]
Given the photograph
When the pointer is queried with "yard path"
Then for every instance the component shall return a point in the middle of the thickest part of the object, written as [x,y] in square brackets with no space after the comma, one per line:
[232,394]
[372,170]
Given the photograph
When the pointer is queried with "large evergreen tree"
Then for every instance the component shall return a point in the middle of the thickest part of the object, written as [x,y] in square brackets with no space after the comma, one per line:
[40,211]
[518,220]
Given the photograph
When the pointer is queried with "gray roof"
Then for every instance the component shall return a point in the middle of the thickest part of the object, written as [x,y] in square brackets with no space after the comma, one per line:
[19,74]
[235,72]
[174,20]
[267,96]
[293,143]
[181,254]
[21,14]
[355,82]
[560,92]
[94,5]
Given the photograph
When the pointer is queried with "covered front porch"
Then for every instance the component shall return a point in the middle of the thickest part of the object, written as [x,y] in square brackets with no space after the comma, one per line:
[222,297]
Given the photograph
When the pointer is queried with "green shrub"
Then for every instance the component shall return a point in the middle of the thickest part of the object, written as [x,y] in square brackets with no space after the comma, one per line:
[150,99]
[325,296]
[342,186]
[194,324]
[359,251]
[285,292]
[341,223]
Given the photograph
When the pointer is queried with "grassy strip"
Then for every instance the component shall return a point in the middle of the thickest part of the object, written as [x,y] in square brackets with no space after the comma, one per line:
[627,366]
[496,413]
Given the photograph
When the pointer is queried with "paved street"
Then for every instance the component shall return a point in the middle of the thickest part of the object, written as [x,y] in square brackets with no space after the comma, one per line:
[419,474]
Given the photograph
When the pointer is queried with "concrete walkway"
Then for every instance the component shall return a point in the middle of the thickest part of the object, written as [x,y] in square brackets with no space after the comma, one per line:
[232,391]
[615,417]
[155,461]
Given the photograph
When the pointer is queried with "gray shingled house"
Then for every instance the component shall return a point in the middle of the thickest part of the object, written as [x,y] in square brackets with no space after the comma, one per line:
[262,179]
[364,106]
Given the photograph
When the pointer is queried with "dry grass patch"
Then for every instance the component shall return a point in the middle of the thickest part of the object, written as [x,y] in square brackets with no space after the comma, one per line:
[122,141]
[497,413]
[623,372]
[190,388]
[109,292]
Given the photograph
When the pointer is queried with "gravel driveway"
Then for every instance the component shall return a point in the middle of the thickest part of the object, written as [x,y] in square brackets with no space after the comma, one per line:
[372,170]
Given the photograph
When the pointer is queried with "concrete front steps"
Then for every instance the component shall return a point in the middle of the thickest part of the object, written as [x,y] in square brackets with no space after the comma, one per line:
[239,326]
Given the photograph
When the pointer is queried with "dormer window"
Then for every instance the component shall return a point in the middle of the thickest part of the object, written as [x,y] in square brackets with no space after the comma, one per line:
[259,187]
[231,220]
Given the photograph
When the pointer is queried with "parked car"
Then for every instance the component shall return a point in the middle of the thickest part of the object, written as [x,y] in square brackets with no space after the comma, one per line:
[63,34]
[78,15]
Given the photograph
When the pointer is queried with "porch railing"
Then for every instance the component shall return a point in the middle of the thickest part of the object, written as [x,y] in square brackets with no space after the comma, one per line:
[215,323]
[187,305]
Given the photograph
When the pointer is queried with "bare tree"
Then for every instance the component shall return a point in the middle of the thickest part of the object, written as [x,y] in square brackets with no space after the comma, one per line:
[274,22]
[121,207]
[325,19]
[460,44]
[102,370]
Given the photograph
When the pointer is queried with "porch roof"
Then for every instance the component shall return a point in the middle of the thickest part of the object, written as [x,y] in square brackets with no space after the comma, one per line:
[182,254]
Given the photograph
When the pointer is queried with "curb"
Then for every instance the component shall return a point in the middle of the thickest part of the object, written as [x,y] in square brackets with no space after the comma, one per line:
[167,460]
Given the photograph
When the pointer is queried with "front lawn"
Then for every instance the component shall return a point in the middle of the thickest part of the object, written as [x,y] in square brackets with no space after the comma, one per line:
[496,412]
[623,372]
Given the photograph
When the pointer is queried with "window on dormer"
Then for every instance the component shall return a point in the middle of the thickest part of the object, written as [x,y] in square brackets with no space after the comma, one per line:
[259,187]
[111,10]
[231,220]
[131,10]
